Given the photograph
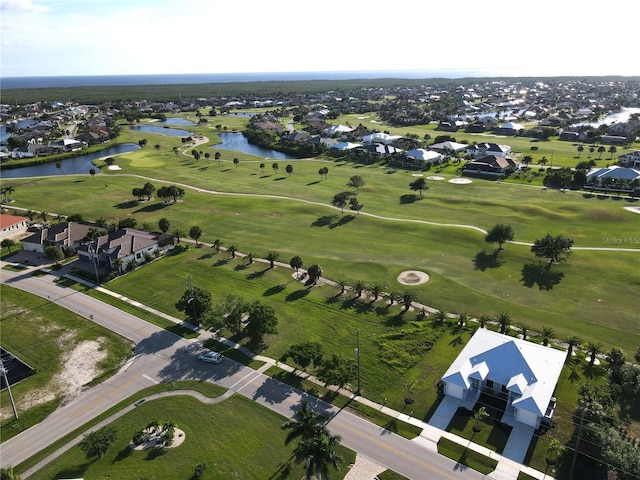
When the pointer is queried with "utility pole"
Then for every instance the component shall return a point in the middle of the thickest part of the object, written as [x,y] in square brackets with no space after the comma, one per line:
[3,371]
[357,352]
[575,450]
[193,301]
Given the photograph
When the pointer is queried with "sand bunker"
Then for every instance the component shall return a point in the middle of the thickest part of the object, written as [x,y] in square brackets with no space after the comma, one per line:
[460,181]
[633,209]
[435,177]
[114,167]
[417,175]
[413,277]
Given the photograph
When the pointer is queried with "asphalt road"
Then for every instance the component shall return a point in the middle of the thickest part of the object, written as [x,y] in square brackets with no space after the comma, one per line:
[161,356]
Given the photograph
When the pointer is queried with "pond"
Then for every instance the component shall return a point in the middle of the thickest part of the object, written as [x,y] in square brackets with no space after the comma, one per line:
[179,121]
[79,164]
[237,142]
[174,132]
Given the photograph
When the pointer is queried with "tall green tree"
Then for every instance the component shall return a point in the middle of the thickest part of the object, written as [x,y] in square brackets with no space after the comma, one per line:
[504,320]
[419,185]
[355,205]
[232,312]
[96,444]
[164,225]
[500,234]
[356,182]
[305,354]
[179,234]
[195,232]
[195,302]
[262,320]
[7,243]
[289,169]
[339,200]
[314,272]
[272,256]
[554,248]
[296,263]
[337,370]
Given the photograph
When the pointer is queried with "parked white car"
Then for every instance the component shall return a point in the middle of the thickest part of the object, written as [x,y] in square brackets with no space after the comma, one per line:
[210,357]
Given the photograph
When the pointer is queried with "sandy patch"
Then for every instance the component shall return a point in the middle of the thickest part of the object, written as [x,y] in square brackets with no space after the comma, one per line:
[417,175]
[413,277]
[79,368]
[460,181]
[435,177]
[114,167]
[633,209]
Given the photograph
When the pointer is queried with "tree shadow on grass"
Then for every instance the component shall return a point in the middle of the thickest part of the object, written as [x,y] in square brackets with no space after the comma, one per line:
[395,320]
[313,183]
[362,307]
[342,221]
[151,207]
[541,275]
[408,199]
[155,453]
[297,295]
[484,260]
[205,256]
[125,205]
[257,274]
[390,427]
[283,472]
[274,290]
[77,471]
[122,454]
[323,221]
[221,262]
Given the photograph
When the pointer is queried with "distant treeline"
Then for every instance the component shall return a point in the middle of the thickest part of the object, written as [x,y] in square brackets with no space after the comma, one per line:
[161,93]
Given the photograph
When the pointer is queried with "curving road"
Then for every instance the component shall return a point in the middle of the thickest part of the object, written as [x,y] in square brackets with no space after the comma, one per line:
[161,356]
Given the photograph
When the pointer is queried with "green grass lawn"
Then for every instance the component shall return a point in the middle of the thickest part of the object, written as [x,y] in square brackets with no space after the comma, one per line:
[40,333]
[235,439]
[466,457]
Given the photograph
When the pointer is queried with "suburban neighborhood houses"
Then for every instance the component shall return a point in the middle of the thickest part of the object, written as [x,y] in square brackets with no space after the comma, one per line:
[368,274]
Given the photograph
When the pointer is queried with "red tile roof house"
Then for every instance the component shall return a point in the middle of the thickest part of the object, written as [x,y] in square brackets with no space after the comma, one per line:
[11,226]
[523,373]
[127,244]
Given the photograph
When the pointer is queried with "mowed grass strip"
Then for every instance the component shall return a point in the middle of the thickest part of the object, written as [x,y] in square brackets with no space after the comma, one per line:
[235,439]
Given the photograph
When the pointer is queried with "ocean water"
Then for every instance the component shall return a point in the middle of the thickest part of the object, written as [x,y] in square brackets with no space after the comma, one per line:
[9,83]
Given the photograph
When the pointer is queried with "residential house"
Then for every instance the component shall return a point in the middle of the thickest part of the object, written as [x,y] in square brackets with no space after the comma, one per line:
[334,130]
[64,234]
[522,373]
[509,128]
[615,177]
[122,246]
[631,159]
[490,165]
[12,226]
[448,148]
[424,156]
[481,149]
[384,138]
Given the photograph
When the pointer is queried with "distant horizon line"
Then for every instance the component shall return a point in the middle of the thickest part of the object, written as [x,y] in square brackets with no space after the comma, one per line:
[130,79]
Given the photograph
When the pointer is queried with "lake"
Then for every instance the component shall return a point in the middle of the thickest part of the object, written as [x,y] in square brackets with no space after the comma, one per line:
[237,142]
[79,164]
[174,132]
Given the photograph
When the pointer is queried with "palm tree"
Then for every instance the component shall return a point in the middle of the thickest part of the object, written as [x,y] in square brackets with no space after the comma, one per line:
[217,157]
[580,150]
[296,263]
[463,319]
[232,250]
[316,446]
[117,263]
[441,317]
[305,424]
[272,256]
[178,233]
[341,285]
[601,150]
[479,416]
[408,298]
[315,272]
[593,348]
[262,167]
[319,453]
[195,232]
[504,320]
[217,243]
[484,319]
[554,450]
[358,286]
[612,150]
[573,342]
[524,328]
[547,335]
[376,290]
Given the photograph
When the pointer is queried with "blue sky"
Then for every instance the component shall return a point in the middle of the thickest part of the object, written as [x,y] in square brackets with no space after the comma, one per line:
[495,37]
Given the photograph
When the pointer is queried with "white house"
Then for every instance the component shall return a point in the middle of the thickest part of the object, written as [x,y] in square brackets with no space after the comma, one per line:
[524,373]
[482,149]
[337,129]
[448,147]
[426,156]
[380,138]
